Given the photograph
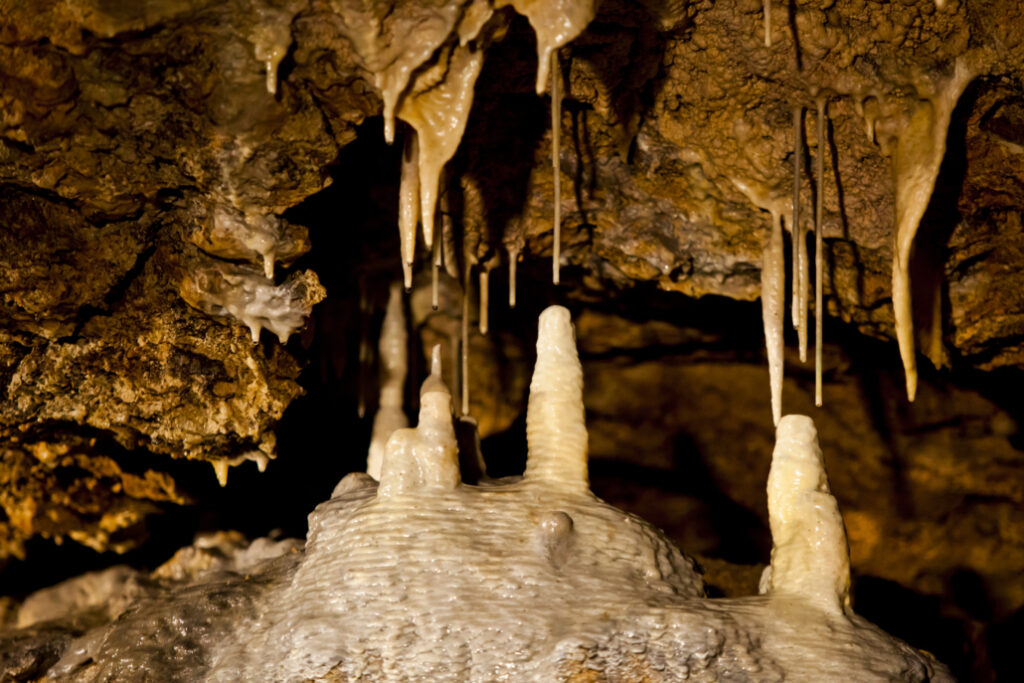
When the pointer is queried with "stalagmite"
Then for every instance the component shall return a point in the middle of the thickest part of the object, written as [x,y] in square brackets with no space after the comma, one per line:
[556,432]
[800,266]
[393,353]
[485,287]
[916,162]
[424,458]
[409,204]
[767,23]
[810,557]
[819,254]
[556,126]
[773,278]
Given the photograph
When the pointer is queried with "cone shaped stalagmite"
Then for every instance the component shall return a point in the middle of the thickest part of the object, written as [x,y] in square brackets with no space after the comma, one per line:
[556,432]
[810,556]
[393,350]
[426,457]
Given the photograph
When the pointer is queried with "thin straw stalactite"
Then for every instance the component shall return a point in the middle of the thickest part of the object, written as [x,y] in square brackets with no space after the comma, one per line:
[819,258]
[556,125]
[466,279]
[800,260]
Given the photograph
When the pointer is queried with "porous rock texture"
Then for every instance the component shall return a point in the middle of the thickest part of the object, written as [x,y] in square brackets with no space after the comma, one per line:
[155,197]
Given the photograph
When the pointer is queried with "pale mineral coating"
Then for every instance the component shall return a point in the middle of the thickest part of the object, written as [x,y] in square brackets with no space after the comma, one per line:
[229,233]
[249,296]
[556,430]
[810,557]
[113,113]
[425,578]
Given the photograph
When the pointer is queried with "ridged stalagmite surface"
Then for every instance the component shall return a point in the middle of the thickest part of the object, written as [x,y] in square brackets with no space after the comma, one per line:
[424,458]
[424,578]
[810,557]
[556,432]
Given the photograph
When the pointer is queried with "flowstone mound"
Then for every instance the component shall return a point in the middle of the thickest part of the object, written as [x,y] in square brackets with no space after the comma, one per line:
[422,577]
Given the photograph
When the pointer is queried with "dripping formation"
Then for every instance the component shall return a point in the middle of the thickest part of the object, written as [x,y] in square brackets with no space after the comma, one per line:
[435,101]
[819,254]
[920,149]
[556,125]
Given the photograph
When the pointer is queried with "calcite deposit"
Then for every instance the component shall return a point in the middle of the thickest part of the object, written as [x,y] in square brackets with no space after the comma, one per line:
[423,577]
[179,178]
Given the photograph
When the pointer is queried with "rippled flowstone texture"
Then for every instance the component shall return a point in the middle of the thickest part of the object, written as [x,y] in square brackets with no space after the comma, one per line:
[420,576]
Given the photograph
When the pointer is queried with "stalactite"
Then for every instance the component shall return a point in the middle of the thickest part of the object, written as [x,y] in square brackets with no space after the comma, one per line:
[409,204]
[800,265]
[773,284]
[919,152]
[819,254]
[438,106]
[485,287]
[773,279]
[435,268]
[438,256]
[767,23]
[220,469]
[556,126]
[513,257]
[270,39]
[555,24]
[466,280]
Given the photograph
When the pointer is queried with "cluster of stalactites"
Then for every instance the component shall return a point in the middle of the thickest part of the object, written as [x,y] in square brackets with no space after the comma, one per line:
[435,101]
[810,557]
[773,263]
[427,456]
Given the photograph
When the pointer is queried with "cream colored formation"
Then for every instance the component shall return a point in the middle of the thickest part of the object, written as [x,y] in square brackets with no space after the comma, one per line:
[917,154]
[422,577]
[428,82]
[417,576]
